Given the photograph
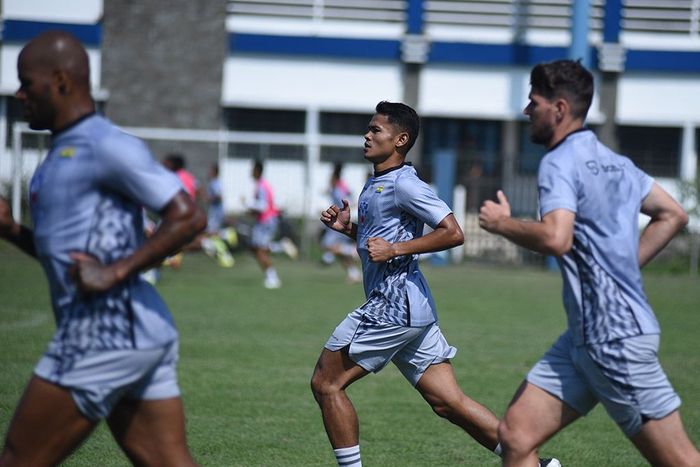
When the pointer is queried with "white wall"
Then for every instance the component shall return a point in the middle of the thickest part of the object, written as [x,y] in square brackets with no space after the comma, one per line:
[658,98]
[284,82]
[57,11]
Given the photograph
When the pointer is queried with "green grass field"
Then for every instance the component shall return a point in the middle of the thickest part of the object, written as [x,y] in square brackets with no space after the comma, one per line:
[247,355]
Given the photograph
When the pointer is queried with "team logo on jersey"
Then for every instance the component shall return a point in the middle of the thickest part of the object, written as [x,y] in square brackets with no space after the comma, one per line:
[379,189]
[362,210]
[67,152]
[593,167]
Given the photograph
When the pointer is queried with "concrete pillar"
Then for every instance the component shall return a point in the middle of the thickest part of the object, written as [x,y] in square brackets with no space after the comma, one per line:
[162,63]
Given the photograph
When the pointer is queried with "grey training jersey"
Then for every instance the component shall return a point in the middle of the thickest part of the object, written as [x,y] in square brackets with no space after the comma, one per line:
[395,205]
[87,196]
[603,292]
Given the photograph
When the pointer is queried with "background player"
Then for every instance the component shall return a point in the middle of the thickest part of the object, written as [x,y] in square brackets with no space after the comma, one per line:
[336,244]
[398,322]
[115,349]
[265,227]
[590,200]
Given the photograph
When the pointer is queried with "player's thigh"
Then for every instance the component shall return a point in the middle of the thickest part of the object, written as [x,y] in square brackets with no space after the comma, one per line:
[426,350]
[438,384]
[47,426]
[665,442]
[335,369]
[534,415]
[151,432]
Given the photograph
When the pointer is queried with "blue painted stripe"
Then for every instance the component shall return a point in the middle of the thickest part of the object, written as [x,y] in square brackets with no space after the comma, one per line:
[415,17]
[613,21]
[493,54]
[662,60]
[452,52]
[324,46]
[23,31]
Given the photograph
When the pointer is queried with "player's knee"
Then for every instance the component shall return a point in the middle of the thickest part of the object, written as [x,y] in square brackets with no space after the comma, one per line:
[515,439]
[446,408]
[322,386]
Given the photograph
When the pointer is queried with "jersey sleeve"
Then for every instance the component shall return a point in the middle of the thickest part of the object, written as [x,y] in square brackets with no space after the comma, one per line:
[125,165]
[417,198]
[556,183]
[645,181]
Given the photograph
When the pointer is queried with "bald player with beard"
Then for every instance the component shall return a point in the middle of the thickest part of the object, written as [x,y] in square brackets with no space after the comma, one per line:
[115,349]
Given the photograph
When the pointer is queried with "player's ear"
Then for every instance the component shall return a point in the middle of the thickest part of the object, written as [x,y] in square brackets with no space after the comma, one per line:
[562,107]
[61,82]
[401,139]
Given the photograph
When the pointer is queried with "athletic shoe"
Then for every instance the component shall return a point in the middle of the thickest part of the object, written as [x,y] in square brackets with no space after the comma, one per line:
[223,256]
[230,236]
[289,248]
[354,275]
[272,283]
[209,247]
[550,462]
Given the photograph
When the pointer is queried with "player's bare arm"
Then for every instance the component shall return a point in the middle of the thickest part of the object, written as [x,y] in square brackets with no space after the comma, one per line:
[447,234]
[553,235]
[667,219]
[338,219]
[182,220]
[13,232]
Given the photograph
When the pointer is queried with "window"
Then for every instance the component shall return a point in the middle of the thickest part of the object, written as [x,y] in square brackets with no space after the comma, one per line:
[654,150]
[530,154]
[349,124]
[334,123]
[478,148]
[264,151]
[265,120]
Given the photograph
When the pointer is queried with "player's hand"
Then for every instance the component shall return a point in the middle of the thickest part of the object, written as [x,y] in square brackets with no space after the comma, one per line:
[337,218]
[492,213]
[380,251]
[6,220]
[90,275]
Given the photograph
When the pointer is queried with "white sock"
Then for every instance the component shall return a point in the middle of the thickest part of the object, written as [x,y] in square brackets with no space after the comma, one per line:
[271,274]
[499,450]
[348,457]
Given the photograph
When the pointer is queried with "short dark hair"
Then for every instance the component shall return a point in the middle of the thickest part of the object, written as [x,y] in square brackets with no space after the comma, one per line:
[176,160]
[337,169]
[566,79]
[402,116]
[258,166]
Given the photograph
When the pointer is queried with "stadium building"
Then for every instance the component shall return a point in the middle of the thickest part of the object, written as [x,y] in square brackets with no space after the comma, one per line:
[294,82]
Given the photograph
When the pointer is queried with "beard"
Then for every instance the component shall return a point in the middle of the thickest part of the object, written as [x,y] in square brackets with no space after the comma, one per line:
[541,135]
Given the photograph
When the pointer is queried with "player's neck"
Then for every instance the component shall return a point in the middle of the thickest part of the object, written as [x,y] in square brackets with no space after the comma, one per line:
[562,131]
[70,115]
[394,160]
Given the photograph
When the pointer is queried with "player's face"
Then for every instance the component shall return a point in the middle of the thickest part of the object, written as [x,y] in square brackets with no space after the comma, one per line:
[380,139]
[542,114]
[35,94]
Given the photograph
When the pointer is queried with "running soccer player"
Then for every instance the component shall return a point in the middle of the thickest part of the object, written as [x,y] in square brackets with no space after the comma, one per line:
[265,227]
[590,199]
[398,322]
[335,244]
[115,349]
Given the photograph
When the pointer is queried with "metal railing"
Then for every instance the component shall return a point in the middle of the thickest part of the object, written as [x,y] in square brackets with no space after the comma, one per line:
[319,10]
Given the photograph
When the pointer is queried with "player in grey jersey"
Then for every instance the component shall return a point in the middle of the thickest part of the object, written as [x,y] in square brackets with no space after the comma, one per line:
[398,322]
[590,199]
[114,352]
